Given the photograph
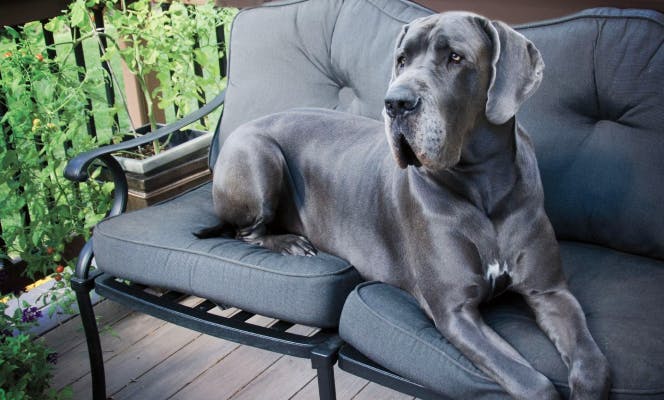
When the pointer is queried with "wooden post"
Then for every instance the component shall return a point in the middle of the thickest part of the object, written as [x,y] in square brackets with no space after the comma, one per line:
[138,109]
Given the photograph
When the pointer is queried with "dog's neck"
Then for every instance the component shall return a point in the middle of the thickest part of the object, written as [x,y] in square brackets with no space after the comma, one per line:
[486,171]
[488,143]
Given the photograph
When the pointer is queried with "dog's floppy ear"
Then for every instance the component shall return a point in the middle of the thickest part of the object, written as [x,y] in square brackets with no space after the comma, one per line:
[516,72]
[400,37]
[404,29]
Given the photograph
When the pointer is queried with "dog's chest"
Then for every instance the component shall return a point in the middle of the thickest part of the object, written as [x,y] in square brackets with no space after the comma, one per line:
[494,246]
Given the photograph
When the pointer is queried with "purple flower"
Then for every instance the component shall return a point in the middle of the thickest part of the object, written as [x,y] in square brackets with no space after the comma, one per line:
[31,314]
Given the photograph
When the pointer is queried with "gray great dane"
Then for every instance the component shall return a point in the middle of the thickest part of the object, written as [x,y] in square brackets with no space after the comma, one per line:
[459,217]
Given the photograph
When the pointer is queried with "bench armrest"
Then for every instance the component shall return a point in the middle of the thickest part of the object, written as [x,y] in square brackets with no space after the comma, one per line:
[76,169]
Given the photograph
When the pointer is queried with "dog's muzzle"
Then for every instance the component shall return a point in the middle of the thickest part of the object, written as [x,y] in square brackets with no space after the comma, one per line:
[400,102]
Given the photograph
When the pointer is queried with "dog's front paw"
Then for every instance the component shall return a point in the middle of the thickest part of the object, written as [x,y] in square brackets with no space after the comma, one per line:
[590,379]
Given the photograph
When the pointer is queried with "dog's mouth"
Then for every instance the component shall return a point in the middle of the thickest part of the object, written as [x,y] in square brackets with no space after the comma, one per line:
[396,129]
[405,154]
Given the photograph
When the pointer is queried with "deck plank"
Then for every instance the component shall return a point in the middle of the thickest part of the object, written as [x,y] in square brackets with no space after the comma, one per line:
[139,358]
[168,377]
[347,386]
[116,336]
[229,375]
[281,380]
[284,378]
[233,373]
[74,364]
[70,334]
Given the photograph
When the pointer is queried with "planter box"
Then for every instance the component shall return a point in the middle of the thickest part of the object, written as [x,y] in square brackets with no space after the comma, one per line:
[12,277]
[175,170]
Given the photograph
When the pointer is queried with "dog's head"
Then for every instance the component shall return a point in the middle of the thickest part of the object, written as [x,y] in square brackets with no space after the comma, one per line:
[451,71]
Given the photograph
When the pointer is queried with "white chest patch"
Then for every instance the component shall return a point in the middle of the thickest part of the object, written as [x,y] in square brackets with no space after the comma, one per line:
[498,277]
[494,270]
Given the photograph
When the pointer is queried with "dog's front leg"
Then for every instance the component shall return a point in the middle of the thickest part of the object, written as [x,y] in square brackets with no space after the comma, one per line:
[452,293]
[560,316]
[461,323]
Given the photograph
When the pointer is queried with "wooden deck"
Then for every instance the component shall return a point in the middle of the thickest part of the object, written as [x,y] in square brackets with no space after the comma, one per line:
[147,358]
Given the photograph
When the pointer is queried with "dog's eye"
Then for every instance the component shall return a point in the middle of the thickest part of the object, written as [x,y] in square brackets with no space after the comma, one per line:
[455,58]
[401,62]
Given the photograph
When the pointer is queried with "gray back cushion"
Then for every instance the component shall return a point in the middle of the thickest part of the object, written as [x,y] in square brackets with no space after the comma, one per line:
[312,53]
[597,120]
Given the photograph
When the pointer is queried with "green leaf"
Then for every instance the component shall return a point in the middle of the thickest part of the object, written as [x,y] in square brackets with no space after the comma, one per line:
[107,187]
[95,173]
[54,25]
[201,57]
[37,236]
[12,32]
[139,6]
[78,13]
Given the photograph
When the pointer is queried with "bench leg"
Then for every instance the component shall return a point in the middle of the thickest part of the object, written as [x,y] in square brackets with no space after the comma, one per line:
[326,388]
[82,288]
[323,358]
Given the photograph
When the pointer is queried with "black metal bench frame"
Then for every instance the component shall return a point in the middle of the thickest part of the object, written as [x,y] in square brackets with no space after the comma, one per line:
[356,363]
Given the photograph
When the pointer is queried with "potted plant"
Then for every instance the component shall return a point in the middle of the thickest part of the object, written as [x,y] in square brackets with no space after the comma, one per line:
[170,43]
[180,163]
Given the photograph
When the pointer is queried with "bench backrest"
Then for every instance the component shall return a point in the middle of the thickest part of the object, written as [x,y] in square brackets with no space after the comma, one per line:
[597,120]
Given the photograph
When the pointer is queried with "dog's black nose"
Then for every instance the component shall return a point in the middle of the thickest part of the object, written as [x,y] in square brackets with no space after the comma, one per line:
[400,101]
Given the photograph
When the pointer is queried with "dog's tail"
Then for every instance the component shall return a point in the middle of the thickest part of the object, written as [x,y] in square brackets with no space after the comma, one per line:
[220,230]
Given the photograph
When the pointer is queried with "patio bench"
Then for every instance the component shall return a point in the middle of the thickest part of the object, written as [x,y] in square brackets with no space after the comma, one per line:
[597,125]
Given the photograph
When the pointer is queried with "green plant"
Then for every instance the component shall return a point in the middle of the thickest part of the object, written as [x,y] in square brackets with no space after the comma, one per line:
[43,117]
[43,127]
[163,40]
[26,364]
[45,120]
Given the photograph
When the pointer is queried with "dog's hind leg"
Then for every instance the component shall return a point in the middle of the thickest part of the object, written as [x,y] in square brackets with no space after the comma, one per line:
[250,185]
[285,244]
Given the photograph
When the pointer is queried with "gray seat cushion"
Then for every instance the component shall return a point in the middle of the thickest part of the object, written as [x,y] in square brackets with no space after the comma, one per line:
[155,246]
[622,296]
